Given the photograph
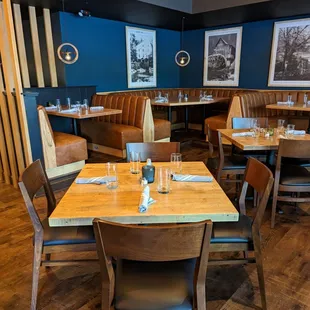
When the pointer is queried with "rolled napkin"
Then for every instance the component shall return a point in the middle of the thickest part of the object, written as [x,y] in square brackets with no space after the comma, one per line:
[299,132]
[243,134]
[162,100]
[69,111]
[96,180]
[51,108]
[97,108]
[282,103]
[191,178]
[145,200]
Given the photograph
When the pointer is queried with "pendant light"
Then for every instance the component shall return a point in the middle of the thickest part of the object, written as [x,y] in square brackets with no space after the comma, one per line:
[67,52]
[182,58]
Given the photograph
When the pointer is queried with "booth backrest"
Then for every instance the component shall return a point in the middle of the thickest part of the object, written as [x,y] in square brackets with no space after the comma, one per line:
[133,109]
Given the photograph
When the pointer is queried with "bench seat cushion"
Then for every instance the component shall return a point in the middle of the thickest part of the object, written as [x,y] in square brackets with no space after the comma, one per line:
[110,134]
[69,148]
[216,122]
[162,129]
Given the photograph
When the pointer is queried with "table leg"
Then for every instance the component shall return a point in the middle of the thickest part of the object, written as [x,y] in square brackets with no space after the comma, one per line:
[186,118]
[170,114]
[270,157]
[75,126]
[203,118]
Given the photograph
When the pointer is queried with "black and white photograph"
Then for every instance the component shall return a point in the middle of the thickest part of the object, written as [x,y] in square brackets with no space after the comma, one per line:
[290,55]
[222,57]
[141,57]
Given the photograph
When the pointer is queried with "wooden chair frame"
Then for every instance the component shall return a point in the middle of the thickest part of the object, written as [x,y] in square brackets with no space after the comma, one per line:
[33,178]
[157,151]
[133,242]
[292,149]
[263,186]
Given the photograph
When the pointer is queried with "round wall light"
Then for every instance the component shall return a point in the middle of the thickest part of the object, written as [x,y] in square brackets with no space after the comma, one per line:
[182,58]
[68,53]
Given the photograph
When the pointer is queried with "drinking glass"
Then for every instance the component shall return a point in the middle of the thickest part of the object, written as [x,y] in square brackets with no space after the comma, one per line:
[159,94]
[68,102]
[85,104]
[163,180]
[289,99]
[289,130]
[58,105]
[176,163]
[167,97]
[135,162]
[201,95]
[305,98]
[78,107]
[112,172]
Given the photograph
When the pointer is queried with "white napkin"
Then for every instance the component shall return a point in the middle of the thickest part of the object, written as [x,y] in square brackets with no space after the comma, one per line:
[97,108]
[50,108]
[299,132]
[145,200]
[69,111]
[96,180]
[191,178]
[243,134]
[282,103]
[161,100]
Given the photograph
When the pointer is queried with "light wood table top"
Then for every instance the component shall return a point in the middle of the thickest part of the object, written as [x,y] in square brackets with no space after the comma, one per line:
[186,202]
[255,143]
[84,114]
[294,107]
[175,102]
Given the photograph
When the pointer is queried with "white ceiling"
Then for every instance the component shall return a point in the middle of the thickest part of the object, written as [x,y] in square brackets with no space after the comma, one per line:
[200,6]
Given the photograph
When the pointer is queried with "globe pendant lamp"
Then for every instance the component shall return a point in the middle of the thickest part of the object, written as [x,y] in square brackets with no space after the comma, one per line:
[182,57]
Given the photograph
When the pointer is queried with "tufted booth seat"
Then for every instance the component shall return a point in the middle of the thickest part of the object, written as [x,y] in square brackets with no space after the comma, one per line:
[254,105]
[109,134]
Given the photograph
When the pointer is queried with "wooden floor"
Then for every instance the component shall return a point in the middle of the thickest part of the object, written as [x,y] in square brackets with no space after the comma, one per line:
[286,263]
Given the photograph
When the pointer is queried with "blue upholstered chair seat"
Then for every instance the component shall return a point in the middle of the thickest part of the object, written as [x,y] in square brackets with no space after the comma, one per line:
[233,232]
[230,162]
[154,286]
[67,235]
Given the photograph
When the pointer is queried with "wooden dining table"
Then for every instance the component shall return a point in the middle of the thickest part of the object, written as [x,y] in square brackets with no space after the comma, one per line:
[186,202]
[191,101]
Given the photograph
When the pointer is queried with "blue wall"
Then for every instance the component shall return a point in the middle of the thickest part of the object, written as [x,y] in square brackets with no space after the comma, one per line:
[255,55]
[102,53]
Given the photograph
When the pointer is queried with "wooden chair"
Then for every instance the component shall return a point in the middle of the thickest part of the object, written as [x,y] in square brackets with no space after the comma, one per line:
[246,122]
[290,178]
[244,235]
[155,265]
[48,240]
[157,151]
[220,165]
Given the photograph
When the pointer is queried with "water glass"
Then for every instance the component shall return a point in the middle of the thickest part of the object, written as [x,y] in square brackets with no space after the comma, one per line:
[159,94]
[163,180]
[135,162]
[167,97]
[68,103]
[289,130]
[176,163]
[78,107]
[112,172]
[58,105]
[201,95]
[305,98]
[85,104]
[289,99]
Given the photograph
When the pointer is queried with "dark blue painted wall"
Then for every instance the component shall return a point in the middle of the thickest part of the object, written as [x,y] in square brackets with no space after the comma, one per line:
[255,55]
[102,53]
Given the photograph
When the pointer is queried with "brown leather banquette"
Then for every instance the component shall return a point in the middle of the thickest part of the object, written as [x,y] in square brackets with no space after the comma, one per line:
[254,105]
[109,134]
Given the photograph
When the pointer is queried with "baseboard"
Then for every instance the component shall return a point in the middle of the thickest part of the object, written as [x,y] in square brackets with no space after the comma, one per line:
[195,126]
[65,169]
[177,126]
[163,140]
[106,150]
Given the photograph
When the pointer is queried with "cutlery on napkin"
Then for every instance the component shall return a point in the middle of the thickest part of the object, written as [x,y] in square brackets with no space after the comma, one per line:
[191,178]
[243,134]
[145,200]
[161,100]
[299,132]
[96,180]
[97,108]
[68,111]
[51,108]
[284,103]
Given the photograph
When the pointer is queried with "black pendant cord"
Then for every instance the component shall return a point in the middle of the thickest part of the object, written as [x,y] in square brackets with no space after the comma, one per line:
[183,19]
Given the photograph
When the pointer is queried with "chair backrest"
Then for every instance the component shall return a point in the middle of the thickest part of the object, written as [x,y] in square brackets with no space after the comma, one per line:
[215,140]
[32,180]
[258,176]
[157,151]
[293,149]
[246,122]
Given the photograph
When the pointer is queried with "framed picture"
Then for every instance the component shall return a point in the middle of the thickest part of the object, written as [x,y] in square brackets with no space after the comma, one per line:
[222,57]
[141,57]
[290,54]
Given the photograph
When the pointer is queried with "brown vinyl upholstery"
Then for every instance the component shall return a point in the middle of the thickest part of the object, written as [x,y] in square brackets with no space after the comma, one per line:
[162,129]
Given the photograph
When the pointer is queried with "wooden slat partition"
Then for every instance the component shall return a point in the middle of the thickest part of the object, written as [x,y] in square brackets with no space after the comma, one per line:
[36,45]
[50,47]
[22,118]
[3,150]
[21,45]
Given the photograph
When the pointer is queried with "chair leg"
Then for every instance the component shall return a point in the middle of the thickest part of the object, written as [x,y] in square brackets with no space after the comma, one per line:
[273,211]
[37,252]
[260,270]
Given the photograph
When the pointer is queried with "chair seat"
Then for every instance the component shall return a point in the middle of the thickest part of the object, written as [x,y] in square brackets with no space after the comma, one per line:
[233,232]
[162,129]
[67,235]
[230,162]
[154,286]
[69,148]
[294,175]
[296,161]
